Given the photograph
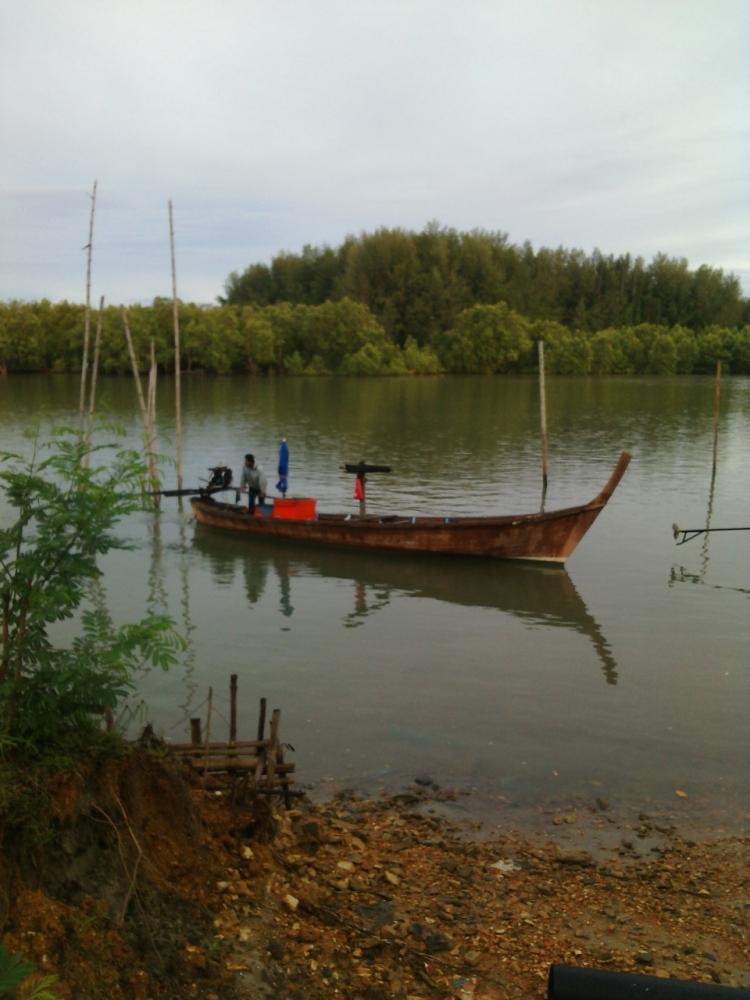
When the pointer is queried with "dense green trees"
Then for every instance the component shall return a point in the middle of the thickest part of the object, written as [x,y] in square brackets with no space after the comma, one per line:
[344,337]
[398,302]
[416,284]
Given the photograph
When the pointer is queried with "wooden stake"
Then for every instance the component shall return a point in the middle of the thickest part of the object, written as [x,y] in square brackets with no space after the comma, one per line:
[273,748]
[262,719]
[195,732]
[95,370]
[87,315]
[233,708]
[543,418]
[285,786]
[208,727]
[177,385]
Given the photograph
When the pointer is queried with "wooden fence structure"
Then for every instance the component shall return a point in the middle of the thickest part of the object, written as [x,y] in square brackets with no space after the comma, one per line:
[240,767]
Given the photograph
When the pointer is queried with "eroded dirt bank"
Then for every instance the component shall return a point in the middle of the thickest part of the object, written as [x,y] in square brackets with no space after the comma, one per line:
[147,889]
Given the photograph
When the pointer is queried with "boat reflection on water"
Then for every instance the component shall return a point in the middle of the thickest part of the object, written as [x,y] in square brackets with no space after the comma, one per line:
[535,593]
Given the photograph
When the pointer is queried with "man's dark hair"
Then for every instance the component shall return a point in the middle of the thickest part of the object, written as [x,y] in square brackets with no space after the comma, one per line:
[250,458]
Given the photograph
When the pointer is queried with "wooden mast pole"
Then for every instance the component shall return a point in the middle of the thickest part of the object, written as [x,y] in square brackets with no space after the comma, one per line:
[177,385]
[543,418]
[87,315]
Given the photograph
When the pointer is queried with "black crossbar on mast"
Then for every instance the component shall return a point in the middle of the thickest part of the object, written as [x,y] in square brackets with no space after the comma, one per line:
[688,534]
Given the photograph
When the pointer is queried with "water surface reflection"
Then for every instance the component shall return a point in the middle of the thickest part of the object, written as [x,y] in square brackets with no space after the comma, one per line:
[538,595]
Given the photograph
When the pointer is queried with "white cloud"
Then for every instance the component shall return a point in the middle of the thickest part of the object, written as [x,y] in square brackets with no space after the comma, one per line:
[622,126]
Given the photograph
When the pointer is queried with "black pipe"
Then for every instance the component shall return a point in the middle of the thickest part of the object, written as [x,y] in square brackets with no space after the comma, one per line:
[362,468]
[569,983]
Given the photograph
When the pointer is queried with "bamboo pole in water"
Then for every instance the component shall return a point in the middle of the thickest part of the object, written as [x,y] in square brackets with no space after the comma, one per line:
[87,314]
[717,400]
[150,456]
[95,371]
[151,445]
[543,418]
[177,384]
[712,486]
[151,397]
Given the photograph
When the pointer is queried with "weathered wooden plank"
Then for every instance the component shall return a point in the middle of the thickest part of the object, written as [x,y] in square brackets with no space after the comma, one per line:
[191,749]
[234,764]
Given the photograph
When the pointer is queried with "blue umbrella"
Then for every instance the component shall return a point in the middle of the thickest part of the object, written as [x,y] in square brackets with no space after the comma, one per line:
[282,486]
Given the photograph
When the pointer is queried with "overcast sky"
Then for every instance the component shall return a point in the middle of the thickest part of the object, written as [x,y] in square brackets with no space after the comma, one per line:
[617,124]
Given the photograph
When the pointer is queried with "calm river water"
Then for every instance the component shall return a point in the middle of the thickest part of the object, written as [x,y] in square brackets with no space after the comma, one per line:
[625,676]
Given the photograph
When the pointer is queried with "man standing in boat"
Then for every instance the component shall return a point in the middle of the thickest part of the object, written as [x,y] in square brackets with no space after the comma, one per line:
[254,481]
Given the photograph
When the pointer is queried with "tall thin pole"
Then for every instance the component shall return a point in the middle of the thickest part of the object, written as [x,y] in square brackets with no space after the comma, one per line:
[717,400]
[177,386]
[151,430]
[151,396]
[87,315]
[709,510]
[543,417]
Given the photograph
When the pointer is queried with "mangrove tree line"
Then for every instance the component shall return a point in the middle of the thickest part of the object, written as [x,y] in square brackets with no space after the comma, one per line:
[345,338]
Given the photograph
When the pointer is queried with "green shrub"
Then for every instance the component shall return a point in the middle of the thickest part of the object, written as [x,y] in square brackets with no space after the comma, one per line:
[66,508]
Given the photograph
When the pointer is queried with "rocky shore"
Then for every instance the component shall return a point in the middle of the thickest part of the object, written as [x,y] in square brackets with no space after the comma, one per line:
[148,889]
[379,899]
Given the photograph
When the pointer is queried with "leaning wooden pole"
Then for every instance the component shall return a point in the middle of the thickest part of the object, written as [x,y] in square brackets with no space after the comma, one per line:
[87,315]
[95,370]
[543,418]
[177,364]
[150,456]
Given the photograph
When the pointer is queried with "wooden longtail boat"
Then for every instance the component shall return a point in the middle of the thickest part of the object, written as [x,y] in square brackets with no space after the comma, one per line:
[547,537]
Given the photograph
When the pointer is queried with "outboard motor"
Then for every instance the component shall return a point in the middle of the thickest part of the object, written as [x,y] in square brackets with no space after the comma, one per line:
[221,477]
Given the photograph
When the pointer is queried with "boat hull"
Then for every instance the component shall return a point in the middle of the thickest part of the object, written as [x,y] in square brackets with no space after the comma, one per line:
[551,538]
[544,537]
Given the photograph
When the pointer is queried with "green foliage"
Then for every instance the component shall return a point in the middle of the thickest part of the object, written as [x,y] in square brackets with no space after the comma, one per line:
[39,989]
[13,971]
[66,508]
[259,342]
[213,335]
[420,360]
[417,283]
[486,340]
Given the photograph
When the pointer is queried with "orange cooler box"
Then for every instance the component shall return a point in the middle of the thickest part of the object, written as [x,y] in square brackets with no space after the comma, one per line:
[295,509]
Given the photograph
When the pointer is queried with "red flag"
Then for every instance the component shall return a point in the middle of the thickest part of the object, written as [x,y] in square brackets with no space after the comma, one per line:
[359,489]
